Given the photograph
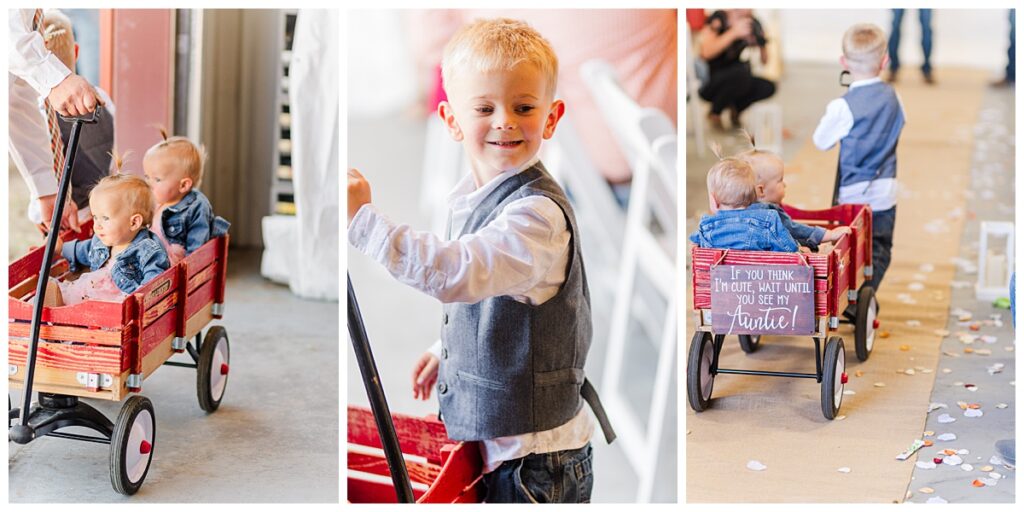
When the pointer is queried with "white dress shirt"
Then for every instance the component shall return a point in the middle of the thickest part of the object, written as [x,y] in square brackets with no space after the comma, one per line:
[522,253]
[836,124]
[32,72]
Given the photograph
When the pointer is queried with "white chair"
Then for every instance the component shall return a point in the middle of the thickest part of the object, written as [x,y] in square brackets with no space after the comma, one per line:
[649,140]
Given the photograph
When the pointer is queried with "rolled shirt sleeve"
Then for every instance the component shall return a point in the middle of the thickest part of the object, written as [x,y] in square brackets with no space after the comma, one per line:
[509,256]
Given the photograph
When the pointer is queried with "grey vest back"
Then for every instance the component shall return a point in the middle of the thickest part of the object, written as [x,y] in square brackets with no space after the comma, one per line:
[92,162]
[507,367]
[868,152]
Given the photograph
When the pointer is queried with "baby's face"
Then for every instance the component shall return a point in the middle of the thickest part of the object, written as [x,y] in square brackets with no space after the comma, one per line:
[501,116]
[167,179]
[112,222]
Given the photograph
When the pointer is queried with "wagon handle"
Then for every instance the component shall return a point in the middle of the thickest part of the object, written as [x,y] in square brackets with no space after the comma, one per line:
[23,433]
[378,402]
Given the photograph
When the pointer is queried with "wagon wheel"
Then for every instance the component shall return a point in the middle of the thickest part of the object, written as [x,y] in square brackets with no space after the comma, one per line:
[131,446]
[750,343]
[834,379]
[212,369]
[699,379]
[867,322]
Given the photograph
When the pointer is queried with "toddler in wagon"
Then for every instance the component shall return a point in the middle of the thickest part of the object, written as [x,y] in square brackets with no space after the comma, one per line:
[184,216]
[123,253]
[771,190]
[734,223]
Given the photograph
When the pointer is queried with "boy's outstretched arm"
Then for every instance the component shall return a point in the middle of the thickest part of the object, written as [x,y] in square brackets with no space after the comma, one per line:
[510,256]
[358,193]
[834,125]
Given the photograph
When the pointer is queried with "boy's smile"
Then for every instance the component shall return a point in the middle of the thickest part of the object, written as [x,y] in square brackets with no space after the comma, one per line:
[500,116]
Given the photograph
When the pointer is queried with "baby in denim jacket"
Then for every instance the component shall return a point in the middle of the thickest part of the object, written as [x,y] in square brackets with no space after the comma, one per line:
[184,216]
[123,253]
[771,190]
[733,224]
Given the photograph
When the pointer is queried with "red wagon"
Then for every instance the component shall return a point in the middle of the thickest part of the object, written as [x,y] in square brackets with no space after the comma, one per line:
[837,282]
[441,470]
[105,350]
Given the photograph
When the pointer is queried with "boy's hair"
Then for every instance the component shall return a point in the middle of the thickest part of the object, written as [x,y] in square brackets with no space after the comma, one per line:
[732,181]
[759,159]
[132,191]
[59,37]
[864,46]
[498,44]
[189,155]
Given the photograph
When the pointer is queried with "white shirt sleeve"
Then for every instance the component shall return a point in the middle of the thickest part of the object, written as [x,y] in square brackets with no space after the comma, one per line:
[32,72]
[834,125]
[27,56]
[509,256]
[435,349]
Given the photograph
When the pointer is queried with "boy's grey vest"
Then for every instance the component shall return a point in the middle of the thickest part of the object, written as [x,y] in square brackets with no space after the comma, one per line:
[868,152]
[92,162]
[509,368]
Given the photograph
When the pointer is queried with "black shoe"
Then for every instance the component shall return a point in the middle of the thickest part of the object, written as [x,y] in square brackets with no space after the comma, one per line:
[929,78]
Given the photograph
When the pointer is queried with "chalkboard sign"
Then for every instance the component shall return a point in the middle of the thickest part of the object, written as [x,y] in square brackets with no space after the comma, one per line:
[762,299]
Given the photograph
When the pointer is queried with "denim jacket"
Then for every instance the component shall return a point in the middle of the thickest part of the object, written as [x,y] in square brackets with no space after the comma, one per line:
[144,259]
[809,236]
[190,223]
[751,229]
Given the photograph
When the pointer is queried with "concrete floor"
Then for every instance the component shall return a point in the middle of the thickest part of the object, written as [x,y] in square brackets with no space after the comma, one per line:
[803,92]
[274,438]
[992,182]
[402,323]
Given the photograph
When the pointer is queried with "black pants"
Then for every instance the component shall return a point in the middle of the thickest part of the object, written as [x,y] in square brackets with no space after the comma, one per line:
[735,87]
[883,224]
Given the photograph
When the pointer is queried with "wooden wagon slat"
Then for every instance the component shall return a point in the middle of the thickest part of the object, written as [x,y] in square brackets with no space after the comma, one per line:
[156,290]
[424,473]
[416,436]
[199,278]
[156,311]
[375,492]
[202,257]
[70,333]
[93,313]
[82,358]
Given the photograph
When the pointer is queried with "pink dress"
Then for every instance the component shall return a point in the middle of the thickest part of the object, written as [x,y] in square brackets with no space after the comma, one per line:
[95,285]
[175,252]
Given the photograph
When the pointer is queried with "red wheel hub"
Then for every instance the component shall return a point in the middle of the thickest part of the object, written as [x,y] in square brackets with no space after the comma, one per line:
[223,368]
[844,379]
[145,447]
[875,324]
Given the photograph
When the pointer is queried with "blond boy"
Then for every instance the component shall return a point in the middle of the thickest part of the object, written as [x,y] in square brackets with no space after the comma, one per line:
[516,326]
[866,122]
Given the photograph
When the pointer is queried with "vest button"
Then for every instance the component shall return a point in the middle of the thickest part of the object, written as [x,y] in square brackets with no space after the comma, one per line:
[446,318]
[442,388]
[444,353]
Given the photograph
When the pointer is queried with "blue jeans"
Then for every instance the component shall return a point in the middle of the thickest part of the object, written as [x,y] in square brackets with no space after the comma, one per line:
[925,16]
[883,224]
[556,477]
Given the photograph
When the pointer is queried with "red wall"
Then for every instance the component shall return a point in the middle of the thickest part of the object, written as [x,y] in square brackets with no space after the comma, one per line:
[137,70]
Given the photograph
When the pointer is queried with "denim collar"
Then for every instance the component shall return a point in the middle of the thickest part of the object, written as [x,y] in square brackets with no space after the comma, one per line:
[184,203]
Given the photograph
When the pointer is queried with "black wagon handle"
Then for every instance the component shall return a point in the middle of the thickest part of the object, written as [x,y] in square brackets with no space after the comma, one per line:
[378,402]
[23,433]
